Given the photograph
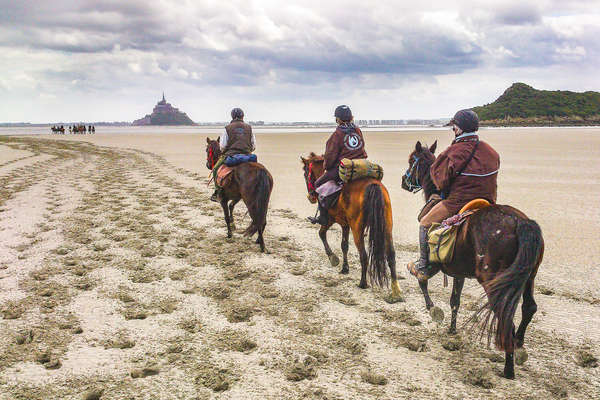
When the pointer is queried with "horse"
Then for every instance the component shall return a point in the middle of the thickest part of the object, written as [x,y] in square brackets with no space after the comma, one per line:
[499,246]
[252,183]
[363,205]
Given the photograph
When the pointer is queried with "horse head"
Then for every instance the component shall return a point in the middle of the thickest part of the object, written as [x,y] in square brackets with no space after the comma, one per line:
[313,167]
[417,175]
[213,152]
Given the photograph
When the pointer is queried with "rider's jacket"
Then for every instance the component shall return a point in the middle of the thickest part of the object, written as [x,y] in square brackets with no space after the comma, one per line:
[239,138]
[346,142]
[477,180]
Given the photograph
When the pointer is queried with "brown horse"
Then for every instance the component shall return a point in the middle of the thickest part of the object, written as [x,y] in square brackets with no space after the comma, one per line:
[363,205]
[501,248]
[252,183]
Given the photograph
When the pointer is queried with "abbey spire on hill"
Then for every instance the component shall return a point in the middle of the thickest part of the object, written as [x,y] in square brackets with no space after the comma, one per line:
[164,114]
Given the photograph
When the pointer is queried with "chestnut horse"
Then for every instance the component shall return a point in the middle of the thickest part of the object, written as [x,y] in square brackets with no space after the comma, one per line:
[252,183]
[500,247]
[363,205]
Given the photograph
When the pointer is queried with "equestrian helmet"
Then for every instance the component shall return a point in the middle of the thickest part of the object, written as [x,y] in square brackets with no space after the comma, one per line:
[343,113]
[467,120]
[237,113]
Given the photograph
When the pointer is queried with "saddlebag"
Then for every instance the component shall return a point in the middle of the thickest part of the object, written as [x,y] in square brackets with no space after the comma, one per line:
[442,238]
[236,159]
[351,170]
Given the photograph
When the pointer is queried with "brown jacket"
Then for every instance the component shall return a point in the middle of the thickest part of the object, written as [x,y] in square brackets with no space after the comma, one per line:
[478,179]
[346,142]
[239,139]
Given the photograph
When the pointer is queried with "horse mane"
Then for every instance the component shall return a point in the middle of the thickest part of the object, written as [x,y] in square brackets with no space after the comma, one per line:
[314,158]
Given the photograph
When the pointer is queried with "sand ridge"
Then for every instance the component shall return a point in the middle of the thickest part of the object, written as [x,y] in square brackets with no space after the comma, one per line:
[125,283]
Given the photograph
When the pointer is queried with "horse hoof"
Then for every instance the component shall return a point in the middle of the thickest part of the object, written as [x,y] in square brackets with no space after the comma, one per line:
[451,331]
[334,260]
[345,271]
[229,235]
[362,286]
[521,356]
[437,315]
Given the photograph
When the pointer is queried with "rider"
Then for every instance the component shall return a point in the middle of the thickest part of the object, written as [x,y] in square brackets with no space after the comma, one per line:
[237,139]
[346,142]
[477,180]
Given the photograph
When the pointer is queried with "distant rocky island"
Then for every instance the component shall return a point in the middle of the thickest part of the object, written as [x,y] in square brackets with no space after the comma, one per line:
[522,105]
[164,114]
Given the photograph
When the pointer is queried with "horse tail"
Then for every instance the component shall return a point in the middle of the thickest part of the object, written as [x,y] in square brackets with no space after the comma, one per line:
[506,289]
[374,221]
[257,208]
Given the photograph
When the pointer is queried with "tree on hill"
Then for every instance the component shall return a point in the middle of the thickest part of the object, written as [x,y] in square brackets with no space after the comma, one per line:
[523,101]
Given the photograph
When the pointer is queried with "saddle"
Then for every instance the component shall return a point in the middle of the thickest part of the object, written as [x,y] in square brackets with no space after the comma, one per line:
[442,237]
[224,176]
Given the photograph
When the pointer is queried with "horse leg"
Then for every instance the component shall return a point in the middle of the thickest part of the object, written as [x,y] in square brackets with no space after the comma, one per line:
[391,258]
[509,365]
[428,302]
[231,205]
[528,309]
[359,242]
[227,218]
[260,240]
[345,235]
[333,259]
[457,286]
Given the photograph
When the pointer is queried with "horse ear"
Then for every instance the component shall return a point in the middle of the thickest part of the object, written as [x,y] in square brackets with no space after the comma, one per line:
[208,140]
[219,139]
[303,160]
[433,147]
[419,147]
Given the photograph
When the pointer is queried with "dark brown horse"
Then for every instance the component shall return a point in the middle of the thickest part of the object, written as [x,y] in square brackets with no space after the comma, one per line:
[252,183]
[363,205]
[501,248]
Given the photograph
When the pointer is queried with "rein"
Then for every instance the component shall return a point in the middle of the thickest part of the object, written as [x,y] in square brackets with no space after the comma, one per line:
[310,186]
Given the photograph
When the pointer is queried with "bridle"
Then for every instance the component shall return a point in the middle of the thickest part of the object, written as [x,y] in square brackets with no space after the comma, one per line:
[413,170]
[211,156]
[309,178]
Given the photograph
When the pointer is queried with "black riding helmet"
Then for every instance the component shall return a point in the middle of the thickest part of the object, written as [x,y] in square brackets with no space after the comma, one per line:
[237,113]
[466,120]
[343,113]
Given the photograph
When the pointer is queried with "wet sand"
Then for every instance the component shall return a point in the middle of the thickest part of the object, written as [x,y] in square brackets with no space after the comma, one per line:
[97,238]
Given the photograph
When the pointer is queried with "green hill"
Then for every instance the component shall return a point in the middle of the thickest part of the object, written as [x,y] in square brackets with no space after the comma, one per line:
[521,104]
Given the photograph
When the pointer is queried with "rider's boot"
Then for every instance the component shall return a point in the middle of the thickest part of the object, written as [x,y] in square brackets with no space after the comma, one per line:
[421,269]
[216,196]
[323,217]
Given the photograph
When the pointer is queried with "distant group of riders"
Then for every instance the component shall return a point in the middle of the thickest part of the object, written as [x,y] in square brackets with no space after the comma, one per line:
[74,129]
[496,244]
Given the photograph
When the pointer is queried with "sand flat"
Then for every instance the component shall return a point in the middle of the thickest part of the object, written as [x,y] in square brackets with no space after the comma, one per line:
[128,267]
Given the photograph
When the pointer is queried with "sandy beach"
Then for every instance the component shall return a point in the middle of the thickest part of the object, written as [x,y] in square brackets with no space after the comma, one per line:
[116,277]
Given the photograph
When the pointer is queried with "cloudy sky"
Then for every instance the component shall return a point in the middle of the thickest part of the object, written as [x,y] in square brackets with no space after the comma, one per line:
[286,60]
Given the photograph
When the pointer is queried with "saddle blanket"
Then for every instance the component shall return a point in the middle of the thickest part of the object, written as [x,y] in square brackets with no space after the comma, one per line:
[224,176]
[329,193]
[237,159]
[351,170]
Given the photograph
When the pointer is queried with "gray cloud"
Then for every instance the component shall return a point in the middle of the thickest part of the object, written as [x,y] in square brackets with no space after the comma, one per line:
[270,48]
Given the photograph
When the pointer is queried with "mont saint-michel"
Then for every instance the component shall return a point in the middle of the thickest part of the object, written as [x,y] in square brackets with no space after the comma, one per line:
[164,114]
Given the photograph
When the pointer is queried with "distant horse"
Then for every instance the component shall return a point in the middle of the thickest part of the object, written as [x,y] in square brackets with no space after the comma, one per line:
[363,205]
[501,248]
[251,183]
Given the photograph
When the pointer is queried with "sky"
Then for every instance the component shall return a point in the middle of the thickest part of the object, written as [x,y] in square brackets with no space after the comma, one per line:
[92,60]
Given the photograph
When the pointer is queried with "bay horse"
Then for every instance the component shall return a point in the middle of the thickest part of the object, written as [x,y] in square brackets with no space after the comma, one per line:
[364,205]
[500,247]
[252,183]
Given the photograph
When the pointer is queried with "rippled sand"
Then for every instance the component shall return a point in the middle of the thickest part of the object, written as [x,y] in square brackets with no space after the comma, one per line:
[114,265]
